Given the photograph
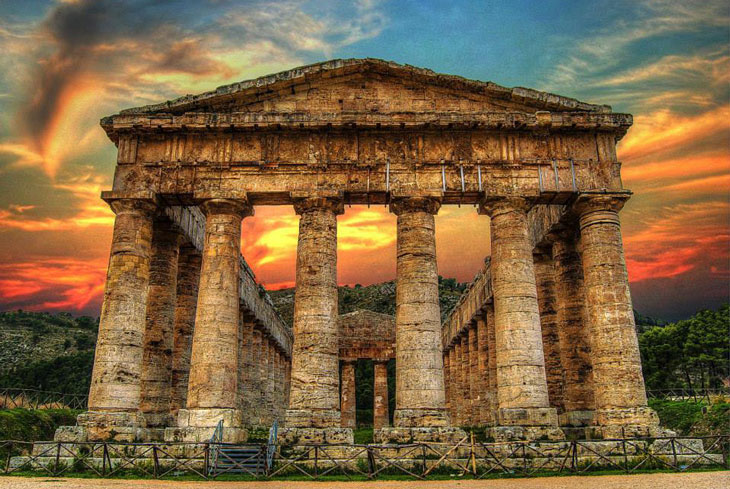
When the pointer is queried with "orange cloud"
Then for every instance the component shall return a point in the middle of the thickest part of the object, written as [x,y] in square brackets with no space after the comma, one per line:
[677,168]
[679,239]
[59,284]
[665,130]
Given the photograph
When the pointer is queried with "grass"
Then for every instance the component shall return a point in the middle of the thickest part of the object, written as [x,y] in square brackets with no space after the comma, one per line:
[688,417]
[363,436]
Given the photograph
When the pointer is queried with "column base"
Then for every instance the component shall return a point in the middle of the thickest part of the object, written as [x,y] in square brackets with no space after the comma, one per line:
[421,418]
[527,417]
[627,422]
[314,418]
[526,424]
[432,434]
[576,419]
[315,436]
[199,424]
[122,426]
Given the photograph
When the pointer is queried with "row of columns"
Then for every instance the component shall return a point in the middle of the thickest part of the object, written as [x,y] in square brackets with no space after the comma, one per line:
[314,398]
[173,341]
[559,338]
[348,399]
[508,358]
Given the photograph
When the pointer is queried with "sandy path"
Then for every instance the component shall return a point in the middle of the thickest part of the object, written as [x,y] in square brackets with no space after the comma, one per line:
[696,480]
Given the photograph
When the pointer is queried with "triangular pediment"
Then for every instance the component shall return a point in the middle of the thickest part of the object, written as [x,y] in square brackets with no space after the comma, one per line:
[366,86]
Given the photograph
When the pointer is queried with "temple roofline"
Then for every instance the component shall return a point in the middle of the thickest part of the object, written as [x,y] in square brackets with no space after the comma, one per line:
[540,100]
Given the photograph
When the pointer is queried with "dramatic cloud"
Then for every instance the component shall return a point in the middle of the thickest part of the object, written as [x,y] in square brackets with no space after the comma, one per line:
[67,63]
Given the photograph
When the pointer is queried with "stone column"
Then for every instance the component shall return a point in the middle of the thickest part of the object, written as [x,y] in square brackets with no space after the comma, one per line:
[314,395]
[280,397]
[115,379]
[524,407]
[188,277]
[483,412]
[575,349]
[491,363]
[348,402]
[156,382]
[257,383]
[447,381]
[453,385]
[420,398]
[287,381]
[380,394]
[213,383]
[465,379]
[545,281]
[474,377]
[458,368]
[620,397]
[265,379]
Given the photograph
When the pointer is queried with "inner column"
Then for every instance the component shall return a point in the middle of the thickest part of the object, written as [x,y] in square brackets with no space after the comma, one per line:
[524,408]
[575,349]
[380,394]
[348,402]
[314,401]
[188,277]
[156,383]
[213,381]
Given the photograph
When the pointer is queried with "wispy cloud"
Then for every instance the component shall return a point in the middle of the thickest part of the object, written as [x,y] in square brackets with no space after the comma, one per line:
[141,50]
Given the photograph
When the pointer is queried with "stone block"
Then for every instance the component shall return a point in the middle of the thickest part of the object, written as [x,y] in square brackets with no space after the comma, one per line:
[432,434]
[315,436]
[527,417]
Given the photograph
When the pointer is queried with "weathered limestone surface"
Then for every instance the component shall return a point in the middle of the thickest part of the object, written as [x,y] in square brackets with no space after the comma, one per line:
[453,385]
[188,277]
[156,379]
[366,334]
[521,380]
[380,395]
[484,413]
[492,363]
[474,397]
[314,394]
[465,380]
[620,396]
[420,398]
[545,282]
[347,393]
[213,381]
[573,333]
[115,381]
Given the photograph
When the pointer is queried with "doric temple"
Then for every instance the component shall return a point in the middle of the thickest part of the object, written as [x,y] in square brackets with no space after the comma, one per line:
[542,344]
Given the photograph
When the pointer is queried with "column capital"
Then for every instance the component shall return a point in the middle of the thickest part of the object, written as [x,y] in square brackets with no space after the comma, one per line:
[415,203]
[588,201]
[493,206]
[600,208]
[237,207]
[304,203]
[145,207]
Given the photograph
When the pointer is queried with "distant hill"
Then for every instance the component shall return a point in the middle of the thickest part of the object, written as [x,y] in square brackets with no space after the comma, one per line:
[377,297]
[56,351]
[47,351]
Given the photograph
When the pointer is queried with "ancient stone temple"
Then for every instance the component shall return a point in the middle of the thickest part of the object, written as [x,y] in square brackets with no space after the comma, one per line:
[542,343]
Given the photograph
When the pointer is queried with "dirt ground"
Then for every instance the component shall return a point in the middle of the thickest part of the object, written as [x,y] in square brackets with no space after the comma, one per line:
[695,480]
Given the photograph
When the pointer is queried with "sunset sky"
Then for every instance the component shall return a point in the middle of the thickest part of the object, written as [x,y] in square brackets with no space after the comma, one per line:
[67,63]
